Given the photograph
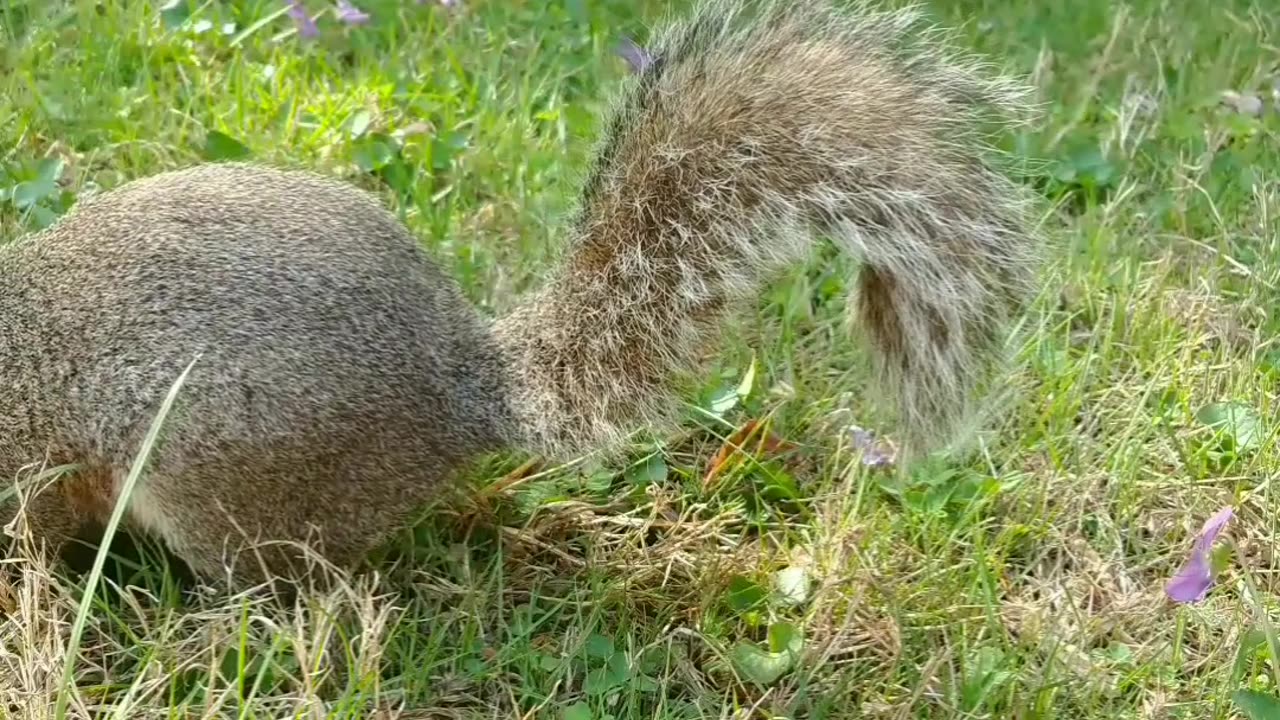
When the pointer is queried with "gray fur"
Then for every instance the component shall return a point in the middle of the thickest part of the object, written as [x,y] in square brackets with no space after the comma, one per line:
[342,377]
[341,374]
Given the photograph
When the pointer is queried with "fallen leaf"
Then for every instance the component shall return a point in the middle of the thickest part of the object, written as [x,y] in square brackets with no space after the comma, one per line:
[736,443]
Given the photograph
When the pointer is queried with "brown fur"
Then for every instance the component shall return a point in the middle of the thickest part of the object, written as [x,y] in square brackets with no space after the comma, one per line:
[342,377]
[92,496]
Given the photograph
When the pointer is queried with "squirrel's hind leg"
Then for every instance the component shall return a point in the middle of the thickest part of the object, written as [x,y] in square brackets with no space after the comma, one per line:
[51,504]
[243,515]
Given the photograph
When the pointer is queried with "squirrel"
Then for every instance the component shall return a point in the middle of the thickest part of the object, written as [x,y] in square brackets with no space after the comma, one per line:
[342,376]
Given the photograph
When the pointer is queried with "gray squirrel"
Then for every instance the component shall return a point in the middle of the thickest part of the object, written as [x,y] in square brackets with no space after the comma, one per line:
[342,377]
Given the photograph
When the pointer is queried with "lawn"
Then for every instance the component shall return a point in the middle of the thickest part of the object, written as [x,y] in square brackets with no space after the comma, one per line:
[1024,578]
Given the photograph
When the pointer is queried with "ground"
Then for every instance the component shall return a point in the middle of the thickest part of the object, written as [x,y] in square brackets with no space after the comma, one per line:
[1023,579]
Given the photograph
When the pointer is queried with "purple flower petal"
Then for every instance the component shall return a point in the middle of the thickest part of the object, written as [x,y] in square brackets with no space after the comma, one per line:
[635,55]
[1193,581]
[306,26]
[1191,584]
[875,453]
[350,14]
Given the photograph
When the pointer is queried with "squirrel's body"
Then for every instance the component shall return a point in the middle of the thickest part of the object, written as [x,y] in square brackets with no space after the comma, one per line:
[342,376]
[338,368]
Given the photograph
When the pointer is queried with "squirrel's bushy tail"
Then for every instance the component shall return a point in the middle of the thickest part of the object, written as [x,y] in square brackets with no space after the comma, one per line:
[756,129]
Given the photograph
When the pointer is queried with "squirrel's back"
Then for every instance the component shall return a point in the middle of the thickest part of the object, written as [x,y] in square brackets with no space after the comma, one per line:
[341,375]
[305,285]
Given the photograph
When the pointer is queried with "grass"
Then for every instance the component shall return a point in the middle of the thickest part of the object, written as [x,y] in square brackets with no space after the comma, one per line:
[1024,580]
